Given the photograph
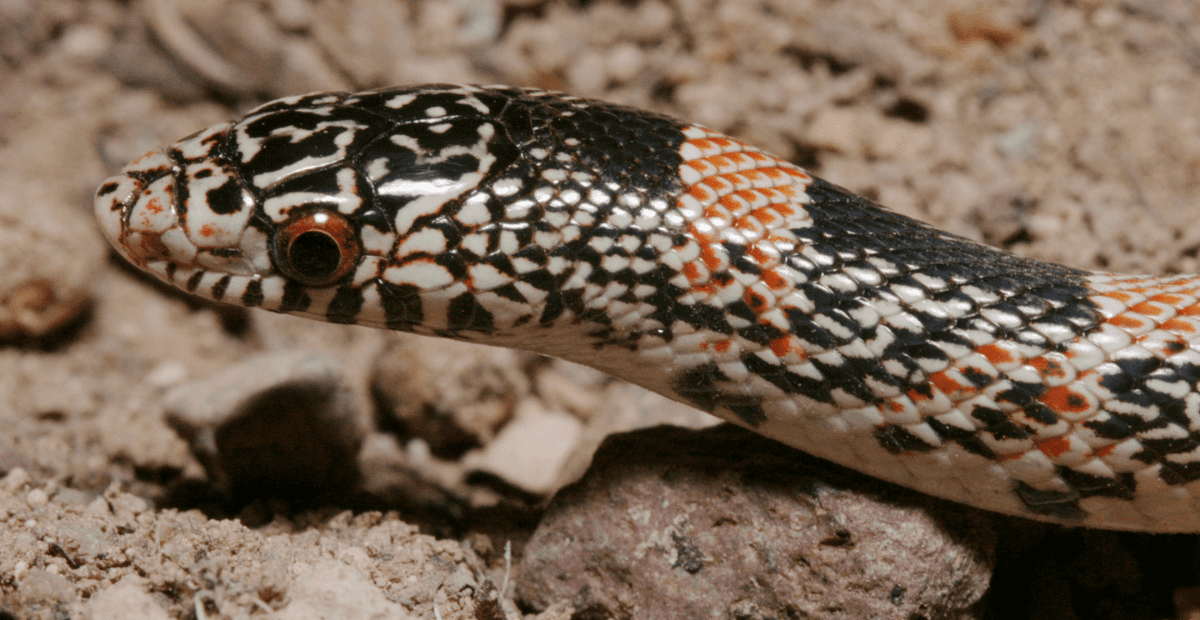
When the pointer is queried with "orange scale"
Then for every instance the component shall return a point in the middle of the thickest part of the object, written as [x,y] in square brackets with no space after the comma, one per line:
[757,302]
[1192,310]
[1001,353]
[749,224]
[738,181]
[723,142]
[756,177]
[1171,299]
[740,158]
[735,204]
[718,211]
[785,346]
[789,190]
[701,166]
[722,346]
[702,193]
[717,184]
[720,161]
[763,228]
[1072,404]
[784,209]
[753,197]
[774,281]
[946,384]
[1104,451]
[1181,325]
[703,238]
[1154,309]
[1050,365]
[1054,447]
[1130,322]
[723,279]
[916,396]
[761,257]
[1118,295]
[710,258]
[759,157]
[693,272]
[704,144]
[776,174]
[769,217]
[772,195]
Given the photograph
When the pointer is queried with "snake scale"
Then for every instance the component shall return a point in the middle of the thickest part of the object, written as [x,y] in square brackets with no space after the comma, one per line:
[702,268]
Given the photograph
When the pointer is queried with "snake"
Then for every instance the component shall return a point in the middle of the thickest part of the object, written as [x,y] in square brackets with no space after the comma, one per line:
[702,268]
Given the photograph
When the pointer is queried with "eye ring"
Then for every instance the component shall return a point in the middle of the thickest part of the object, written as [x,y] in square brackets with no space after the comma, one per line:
[316,248]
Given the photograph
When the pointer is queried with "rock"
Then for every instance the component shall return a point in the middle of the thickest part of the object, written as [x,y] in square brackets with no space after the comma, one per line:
[671,523]
[280,424]
[40,586]
[332,590]
[126,600]
[531,451]
[455,396]
[14,480]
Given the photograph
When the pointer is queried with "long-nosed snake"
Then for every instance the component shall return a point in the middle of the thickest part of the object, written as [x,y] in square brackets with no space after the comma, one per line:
[699,267]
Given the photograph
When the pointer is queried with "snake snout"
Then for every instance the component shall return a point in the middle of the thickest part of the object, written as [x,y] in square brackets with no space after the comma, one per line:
[137,211]
[182,206]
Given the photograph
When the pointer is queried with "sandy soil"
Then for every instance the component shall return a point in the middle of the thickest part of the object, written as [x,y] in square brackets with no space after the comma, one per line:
[1062,131]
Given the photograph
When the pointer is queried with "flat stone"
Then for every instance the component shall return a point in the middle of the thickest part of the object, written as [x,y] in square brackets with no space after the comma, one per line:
[125,600]
[454,396]
[673,523]
[278,424]
[332,590]
[531,451]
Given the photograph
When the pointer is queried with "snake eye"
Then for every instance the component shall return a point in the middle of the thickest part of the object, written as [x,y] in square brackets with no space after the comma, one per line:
[316,248]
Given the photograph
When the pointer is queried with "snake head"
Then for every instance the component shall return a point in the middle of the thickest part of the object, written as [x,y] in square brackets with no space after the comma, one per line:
[314,204]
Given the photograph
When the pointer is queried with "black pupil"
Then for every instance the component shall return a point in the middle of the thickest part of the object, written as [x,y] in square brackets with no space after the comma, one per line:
[314,255]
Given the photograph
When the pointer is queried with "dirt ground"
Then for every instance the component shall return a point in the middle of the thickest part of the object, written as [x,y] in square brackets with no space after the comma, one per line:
[1066,131]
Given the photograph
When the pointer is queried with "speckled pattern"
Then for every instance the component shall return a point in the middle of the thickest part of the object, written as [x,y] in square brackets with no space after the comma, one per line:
[697,266]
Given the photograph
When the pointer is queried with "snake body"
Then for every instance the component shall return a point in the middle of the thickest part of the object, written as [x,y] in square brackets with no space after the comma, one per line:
[702,268]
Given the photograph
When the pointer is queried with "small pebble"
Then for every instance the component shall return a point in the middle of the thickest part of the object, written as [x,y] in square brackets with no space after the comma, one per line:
[99,508]
[15,480]
[167,374]
[37,497]
[126,599]
[128,504]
